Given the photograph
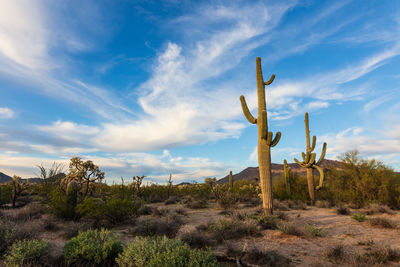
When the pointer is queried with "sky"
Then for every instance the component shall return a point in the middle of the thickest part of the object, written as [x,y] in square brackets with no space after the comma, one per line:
[152,87]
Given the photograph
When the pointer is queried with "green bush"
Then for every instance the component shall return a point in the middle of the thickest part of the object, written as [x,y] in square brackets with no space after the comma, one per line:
[164,252]
[359,217]
[60,206]
[6,194]
[114,210]
[27,253]
[267,222]
[93,247]
[314,230]
[7,234]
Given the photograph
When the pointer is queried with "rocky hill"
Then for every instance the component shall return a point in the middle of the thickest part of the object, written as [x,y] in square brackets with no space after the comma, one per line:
[251,173]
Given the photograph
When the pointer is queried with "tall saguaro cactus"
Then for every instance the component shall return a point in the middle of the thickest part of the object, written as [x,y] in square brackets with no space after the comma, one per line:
[309,162]
[265,141]
[286,175]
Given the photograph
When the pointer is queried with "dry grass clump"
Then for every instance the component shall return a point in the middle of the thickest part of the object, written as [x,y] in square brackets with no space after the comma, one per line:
[251,202]
[228,201]
[337,253]
[382,222]
[376,209]
[315,231]
[263,257]
[323,204]
[342,210]
[297,204]
[224,229]
[281,205]
[192,203]
[381,254]
[193,237]
[167,226]
[26,213]
[267,222]
[171,200]
[291,229]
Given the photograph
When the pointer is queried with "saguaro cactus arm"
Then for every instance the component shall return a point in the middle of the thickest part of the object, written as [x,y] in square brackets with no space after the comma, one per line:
[246,111]
[270,80]
[321,158]
[321,177]
[314,142]
[275,141]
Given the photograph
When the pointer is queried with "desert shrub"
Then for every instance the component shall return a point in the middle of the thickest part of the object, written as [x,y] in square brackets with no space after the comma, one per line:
[363,181]
[7,236]
[375,208]
[26,213]
[27,253]
[359,217]
[193,237]
[342,210]
[291,229]
[168,226]
[227,200]
[98,248]
[164,252]
[60,206]
[281,205]
[323,204]
[268,222]
[91,208]
[6,194]
[298,188]
[314,230]
[224,229]
[382,222]
[297,204]
[193,203]
[336,253]
[171,200]
[119,210]
[262,257]
[245,190]
[144,210]
[381,254]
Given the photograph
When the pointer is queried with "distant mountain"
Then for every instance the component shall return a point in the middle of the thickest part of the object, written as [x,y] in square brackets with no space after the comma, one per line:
[251,173]
[4,178]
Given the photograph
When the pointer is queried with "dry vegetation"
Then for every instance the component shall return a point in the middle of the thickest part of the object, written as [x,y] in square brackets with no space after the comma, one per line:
[224,226]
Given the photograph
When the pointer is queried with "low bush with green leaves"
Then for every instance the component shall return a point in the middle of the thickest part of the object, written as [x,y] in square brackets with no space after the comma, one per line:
[164,252]
[314,230]
[359,217]
[95,247]
[60,206]
[224,229]
[27,253]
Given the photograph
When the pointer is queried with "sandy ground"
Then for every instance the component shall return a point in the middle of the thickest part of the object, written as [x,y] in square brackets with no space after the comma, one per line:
[358,237]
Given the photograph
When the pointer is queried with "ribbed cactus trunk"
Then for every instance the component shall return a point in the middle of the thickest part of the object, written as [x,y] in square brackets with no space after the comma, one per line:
[310,176]
[72,195]
[230,181]
[265,141]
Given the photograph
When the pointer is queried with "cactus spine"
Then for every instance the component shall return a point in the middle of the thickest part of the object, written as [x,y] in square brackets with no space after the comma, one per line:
[286,173]
[309,162]
[230,181]
[265,141]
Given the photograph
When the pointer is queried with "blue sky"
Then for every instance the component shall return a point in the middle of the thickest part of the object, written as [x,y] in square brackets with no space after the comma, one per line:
[152,88]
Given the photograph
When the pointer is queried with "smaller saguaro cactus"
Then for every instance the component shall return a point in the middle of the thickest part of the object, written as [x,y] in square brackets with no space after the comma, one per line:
[309,161]
[230,180]
[286,175]
[72,194]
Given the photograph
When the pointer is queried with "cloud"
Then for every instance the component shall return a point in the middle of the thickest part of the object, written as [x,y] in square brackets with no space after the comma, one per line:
[156,167]
[6,113]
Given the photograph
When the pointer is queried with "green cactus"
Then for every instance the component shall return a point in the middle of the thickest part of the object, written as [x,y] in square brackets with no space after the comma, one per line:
[286,175]
[72,194]
[230,181]
[309,162]
[265,141]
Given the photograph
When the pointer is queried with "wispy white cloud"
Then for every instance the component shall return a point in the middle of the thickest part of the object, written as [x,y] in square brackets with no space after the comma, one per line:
[6,113]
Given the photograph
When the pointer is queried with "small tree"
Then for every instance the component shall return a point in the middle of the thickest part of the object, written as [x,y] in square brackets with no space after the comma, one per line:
[51,174]
[17,188]
[85,173]
[170,184]
[136,183]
